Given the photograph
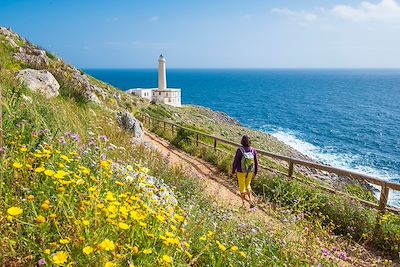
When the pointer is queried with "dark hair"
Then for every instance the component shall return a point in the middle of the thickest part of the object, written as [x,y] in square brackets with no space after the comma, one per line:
[245,141]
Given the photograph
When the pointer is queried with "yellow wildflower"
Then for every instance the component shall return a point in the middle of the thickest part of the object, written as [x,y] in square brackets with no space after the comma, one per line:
[142,224]
[60,174]
[53,216]
[109,264]
[147,251]
[110,196]
[241,253]
[187,253]
[167,259]
[60,258]
[45,206]
[30,198]
[49,172]
[135,250]
[203,238]
[64,241]
[107,245]
[17,165]
[40,219]
[47,251]
[87,250]
[65,158]
[15,211]
[234,248]
[123,226]
[220,246]
[23,149]
[86,222]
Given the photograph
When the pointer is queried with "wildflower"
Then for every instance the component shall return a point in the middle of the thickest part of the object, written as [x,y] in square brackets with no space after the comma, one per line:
[49,173]
[103,138]
[123,226]
[65,158]
[147,251]
[45,206]
[241,253]
[110,196]
[40,169]
[41,262]
[202,238]
[210,233]
[167,259]
[187,253]
[87,250]
[107,245]
[53,216]
[343,255]
[60,258]
[30,198]
[220,246]
[60,174]
[15,211]
[47,251]
[86,222]
[135,250]
[17,165]
[109,264]
[23,149]
[64,241]
[40,219]
[234,248]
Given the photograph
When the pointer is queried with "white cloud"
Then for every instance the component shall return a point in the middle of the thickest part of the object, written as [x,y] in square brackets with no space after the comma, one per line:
[297,15]
[386,10]
[154,18]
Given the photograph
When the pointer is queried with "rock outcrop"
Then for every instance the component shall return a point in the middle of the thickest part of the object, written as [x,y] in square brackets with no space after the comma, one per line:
[131,124]
[40,81]
[33,57]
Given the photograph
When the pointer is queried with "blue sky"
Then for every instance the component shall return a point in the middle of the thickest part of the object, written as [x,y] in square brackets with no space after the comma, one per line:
[212,34]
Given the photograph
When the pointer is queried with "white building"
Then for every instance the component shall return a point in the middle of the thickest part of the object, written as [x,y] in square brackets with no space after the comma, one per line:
[162,94]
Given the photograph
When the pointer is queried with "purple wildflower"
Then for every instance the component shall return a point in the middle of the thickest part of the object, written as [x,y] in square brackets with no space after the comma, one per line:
[42,262]
[334,248]
[67,134]
[325,252]
[44,131]
[343,255]
[103,138]
[62,141]
[75,137]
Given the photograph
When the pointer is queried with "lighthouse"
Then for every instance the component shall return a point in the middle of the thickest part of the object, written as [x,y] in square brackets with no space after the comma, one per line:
[162,94]
[162,75]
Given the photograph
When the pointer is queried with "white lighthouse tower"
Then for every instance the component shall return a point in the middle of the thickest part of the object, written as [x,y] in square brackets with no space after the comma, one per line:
[162,94]
[162,75]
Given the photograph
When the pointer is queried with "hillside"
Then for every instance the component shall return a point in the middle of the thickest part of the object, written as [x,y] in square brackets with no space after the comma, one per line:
[80,186]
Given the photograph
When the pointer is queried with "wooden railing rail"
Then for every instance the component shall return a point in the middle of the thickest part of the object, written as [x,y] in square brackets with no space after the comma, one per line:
[292,162]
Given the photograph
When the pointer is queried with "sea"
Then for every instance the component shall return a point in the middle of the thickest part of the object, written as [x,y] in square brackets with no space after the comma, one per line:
[347,118]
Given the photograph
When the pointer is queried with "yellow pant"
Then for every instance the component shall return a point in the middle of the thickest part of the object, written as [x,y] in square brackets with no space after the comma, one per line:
[244,182]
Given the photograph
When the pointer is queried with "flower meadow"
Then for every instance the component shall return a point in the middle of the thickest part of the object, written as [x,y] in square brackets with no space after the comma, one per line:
[68,205]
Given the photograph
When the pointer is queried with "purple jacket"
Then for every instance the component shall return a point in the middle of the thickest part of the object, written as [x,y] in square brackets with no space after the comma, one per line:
[237,166]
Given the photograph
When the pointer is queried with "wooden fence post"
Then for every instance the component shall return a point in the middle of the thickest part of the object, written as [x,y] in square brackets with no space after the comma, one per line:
[215,144]
[172,129]
[164,126]
[290,171]
[384,197]
[197,139]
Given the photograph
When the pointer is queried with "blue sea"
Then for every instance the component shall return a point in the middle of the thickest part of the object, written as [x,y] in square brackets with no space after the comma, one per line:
[347,118]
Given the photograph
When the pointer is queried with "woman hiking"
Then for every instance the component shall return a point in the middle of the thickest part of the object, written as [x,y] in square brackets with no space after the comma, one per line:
[245,165]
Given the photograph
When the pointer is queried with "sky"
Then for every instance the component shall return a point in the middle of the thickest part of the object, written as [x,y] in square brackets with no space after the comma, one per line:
[212,33]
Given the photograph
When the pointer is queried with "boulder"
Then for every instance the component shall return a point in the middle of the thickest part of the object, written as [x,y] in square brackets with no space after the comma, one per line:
[131,124]
[40,81]
[33,57]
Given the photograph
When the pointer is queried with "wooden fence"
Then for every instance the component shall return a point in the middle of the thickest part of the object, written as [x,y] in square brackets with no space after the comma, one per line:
[385,186]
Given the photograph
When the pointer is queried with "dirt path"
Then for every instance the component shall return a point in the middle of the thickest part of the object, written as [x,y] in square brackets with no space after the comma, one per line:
[224,193]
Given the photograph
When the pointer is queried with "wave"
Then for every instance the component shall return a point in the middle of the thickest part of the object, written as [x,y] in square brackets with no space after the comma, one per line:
[328,156]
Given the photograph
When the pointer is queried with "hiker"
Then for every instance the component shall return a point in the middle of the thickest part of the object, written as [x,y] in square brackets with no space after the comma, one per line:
[245,165]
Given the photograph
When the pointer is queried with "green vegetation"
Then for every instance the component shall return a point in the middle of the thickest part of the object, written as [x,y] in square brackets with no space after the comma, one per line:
[337,213]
